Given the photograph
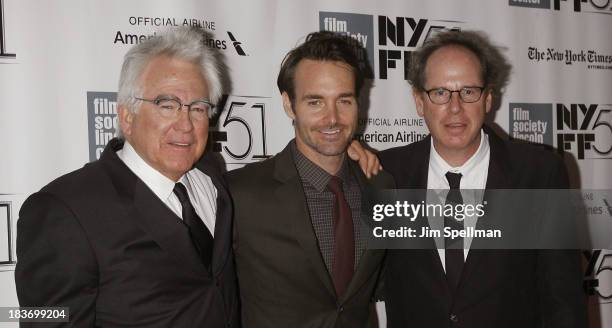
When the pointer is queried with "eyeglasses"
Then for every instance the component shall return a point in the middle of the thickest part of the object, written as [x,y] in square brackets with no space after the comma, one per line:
[170,106]
[441,96]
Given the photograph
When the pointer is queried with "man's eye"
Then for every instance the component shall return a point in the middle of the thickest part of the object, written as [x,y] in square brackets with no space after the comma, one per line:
[347,102]
[468,92]
[167,105]
[315,103]
[440,92]
[198,109]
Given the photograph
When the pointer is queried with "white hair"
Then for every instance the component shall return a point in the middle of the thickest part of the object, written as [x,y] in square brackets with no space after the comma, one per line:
[186,43]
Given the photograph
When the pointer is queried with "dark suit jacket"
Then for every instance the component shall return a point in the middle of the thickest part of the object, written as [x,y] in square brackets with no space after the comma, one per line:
[100,242]
[498,288]
[282,276]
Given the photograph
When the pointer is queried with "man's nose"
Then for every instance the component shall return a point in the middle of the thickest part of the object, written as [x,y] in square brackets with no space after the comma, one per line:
[455,103]
[332,114]
[183,120]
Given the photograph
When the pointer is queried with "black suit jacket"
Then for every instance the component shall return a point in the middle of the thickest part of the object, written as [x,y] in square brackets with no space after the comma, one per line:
[100,242]
[498,288]
[282,275]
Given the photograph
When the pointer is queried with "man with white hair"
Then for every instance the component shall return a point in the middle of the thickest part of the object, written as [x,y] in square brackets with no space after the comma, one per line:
[141,237]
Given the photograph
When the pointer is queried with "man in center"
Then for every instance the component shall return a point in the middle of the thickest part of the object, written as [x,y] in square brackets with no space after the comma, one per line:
[301,259]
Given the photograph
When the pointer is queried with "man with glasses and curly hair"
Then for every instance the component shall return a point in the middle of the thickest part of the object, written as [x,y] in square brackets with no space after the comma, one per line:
[456,78]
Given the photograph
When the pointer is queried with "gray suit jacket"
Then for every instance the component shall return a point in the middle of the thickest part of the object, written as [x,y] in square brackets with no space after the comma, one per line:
[283,279]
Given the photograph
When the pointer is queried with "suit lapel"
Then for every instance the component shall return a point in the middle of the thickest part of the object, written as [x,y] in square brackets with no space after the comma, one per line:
[292,202]
[370,259]
[418,168]
[497,178]
[149,213]
[165,227]
[223,219]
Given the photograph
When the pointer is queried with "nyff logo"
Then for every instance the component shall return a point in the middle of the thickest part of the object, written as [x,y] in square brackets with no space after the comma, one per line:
[587,6]
[397,37]
[6,239]
[240,131]
[600,6]
[582,129]
[4,52]
[598,274]
[585,129]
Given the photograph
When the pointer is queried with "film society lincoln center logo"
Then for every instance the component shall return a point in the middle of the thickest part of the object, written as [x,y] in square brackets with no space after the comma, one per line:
[584,129]
[385,42]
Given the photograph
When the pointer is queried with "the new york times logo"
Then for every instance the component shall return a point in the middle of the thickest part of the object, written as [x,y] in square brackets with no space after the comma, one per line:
[239,133]
[397,36]
[585,129]
[102,121]
[587,6]
[4,52]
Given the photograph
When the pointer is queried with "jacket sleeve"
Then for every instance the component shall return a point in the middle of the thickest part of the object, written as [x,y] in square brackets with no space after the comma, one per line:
[56,265]
[562,300]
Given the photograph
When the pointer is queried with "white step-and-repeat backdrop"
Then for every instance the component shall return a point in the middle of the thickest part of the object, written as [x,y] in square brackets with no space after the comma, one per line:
[60,61]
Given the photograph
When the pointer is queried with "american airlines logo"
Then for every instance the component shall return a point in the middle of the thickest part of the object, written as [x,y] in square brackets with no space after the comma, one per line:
[237,44]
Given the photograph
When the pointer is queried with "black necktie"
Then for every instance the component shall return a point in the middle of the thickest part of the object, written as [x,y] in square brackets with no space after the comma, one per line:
[200,235]
[344,253]
[453,247]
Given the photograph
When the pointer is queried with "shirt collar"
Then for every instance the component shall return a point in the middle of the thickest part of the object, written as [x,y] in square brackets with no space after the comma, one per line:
[440,166]
[158,183]
[314,174]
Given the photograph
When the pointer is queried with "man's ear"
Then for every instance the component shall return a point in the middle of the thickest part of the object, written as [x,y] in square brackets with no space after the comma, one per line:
[419,101]
[488,100]
[125,120]
[287,106]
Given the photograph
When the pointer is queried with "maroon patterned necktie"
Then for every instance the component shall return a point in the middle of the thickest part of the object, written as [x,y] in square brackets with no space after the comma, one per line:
[344,252]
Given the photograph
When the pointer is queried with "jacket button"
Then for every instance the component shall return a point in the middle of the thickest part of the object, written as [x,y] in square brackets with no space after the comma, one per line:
[454,318]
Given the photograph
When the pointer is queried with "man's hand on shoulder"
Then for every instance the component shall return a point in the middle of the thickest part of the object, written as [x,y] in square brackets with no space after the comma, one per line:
[368,161]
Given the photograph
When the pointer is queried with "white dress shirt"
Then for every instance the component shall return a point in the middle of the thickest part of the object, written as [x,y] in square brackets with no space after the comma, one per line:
[474,176]
[201,190]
